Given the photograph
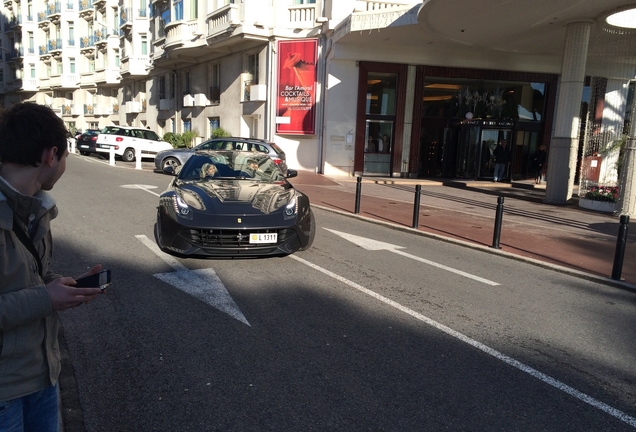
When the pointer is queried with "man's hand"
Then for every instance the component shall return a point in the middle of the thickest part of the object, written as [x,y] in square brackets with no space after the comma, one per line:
[64,295]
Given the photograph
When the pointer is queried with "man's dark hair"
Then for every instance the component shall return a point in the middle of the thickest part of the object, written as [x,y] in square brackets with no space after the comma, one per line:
[26,130]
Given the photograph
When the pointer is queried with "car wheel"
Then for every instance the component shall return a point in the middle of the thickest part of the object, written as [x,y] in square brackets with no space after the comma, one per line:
[312,231]
[170,161]
[129,155]
[85,153]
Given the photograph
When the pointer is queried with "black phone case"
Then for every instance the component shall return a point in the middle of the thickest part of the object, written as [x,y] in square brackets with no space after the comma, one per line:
[92,281]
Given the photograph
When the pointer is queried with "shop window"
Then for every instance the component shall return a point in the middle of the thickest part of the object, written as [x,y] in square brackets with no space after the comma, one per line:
[381,94]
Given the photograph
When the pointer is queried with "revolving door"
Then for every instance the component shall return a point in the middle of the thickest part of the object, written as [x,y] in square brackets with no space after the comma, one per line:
[476,144]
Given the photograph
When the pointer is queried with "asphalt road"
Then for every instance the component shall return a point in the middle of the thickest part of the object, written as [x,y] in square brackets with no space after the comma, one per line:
[352,335]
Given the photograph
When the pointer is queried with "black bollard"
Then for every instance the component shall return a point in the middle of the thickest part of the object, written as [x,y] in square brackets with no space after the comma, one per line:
[621,242]
[416,207]
[498,218]
[358,192]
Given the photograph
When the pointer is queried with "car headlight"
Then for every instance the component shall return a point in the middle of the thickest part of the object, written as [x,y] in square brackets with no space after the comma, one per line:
[181,208]
[291,209]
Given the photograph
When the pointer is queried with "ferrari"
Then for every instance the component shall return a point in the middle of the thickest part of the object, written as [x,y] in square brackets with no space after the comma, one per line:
[232,204]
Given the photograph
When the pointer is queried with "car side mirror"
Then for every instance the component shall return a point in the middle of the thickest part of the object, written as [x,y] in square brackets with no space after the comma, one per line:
[291,173]
[169,170]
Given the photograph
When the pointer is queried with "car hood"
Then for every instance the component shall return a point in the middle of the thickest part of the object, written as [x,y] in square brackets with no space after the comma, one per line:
[235,196]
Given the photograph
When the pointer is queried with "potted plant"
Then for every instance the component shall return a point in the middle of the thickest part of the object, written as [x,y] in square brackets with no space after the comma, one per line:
[600,198]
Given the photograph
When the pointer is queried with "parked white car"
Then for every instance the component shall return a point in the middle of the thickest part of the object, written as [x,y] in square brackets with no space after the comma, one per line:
[127,141]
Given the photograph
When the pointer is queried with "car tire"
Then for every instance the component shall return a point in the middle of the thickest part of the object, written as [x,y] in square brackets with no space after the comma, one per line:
[128,155]
[85,153]
[170,161]
[312,231]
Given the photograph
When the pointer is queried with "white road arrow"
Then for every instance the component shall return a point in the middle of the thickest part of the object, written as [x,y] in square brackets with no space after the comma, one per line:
[203,284]
[374,245]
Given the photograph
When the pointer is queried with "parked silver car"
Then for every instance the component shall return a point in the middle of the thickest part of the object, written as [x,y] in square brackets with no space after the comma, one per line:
[177,157]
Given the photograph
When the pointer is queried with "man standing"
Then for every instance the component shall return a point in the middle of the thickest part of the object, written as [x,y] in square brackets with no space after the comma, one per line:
[33,152]
[501,160]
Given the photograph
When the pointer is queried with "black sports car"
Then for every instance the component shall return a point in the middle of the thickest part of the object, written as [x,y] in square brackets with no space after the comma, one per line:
[232,204]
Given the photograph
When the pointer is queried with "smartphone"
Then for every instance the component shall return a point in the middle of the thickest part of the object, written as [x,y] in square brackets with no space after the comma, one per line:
[101,279]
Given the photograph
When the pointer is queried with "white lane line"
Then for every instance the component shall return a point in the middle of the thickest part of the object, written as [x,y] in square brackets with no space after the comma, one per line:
[374,245]
[142,187]
[203,284]
[486,349]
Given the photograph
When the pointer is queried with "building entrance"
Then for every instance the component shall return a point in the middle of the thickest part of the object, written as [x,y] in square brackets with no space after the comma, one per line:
[476,144]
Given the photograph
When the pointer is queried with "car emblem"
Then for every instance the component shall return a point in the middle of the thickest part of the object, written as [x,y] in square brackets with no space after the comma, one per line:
[239,220]
[240,237]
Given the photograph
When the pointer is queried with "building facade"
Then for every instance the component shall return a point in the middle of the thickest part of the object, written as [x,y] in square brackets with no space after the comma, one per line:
[409,88]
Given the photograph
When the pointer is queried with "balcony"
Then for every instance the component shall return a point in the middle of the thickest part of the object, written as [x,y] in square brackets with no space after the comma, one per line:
[66,110]
[182,33]
[86,10]
[87,44]
[55,46]
[30,84]
[223,20]
[54,12]
[43,20]
[107,76]
[89,109]
[125,19]
[115,108]
[188,100]
[201,100]
[64,81]
[15,23]
[254,92]
[136,65]
[100,110]
[302,16]
[133,107]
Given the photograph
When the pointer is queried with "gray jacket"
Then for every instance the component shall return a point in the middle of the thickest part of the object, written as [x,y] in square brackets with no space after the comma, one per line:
[29,350]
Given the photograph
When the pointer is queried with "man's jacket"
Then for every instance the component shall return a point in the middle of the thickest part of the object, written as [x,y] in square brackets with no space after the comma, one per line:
[29,350]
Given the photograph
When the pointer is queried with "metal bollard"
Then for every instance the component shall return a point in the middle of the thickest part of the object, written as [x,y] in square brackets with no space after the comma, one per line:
[137,159]
[498,219]
[111,154]
[416,207]
[621,242]
[358,192]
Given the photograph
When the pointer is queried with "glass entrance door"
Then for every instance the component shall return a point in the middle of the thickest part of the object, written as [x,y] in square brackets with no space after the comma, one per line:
[378,147]
[489,141]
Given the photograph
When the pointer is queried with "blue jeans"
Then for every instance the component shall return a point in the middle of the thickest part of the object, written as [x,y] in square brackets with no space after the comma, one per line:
[37,412]
[500,171]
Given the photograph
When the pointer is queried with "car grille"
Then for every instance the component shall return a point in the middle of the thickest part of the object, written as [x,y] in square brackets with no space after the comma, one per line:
[233,238]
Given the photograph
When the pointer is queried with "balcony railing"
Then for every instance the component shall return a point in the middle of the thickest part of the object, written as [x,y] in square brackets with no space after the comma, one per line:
[55,45]
[85,4]
[87,41]
[54,9]
[124,17]
[89,109]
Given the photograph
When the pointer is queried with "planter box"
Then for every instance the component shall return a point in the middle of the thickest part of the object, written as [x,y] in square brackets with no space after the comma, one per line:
[602,206]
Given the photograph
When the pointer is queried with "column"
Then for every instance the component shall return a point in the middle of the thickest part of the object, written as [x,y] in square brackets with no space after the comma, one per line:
[564,145]
[627,187]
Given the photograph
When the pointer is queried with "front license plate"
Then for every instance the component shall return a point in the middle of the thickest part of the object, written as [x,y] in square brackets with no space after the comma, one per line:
[263,238]
[83,146]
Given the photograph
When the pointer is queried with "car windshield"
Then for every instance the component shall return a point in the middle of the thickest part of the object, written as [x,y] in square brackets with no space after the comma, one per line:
[231,166]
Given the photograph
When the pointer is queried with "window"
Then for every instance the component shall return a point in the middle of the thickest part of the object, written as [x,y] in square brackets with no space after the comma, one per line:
[1,75]
[215,83]
[71,33]
[31,43]
[72,64]
[144,44]
[178,10]
[60,67]
[186,82]
[194,9]
[187,125]
[304,1]
[91,65]
[251,68]
[32,68]
[215,123]
[162,87]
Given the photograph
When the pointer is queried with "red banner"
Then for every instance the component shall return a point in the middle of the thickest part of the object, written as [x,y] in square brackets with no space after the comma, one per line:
[296,101]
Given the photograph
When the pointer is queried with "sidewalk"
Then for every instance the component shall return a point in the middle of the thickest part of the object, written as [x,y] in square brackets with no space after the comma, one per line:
[575,239]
